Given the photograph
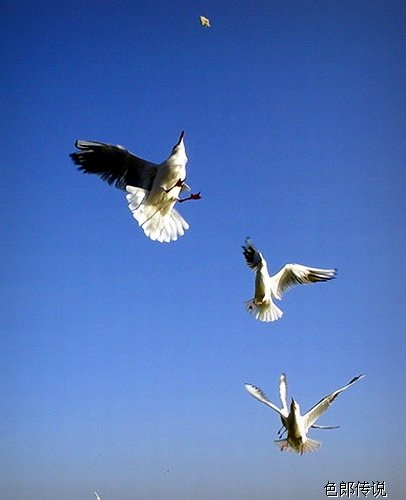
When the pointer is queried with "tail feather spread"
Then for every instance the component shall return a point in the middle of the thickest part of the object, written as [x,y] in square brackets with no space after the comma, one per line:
[309,446]
[159,226]
[267,311]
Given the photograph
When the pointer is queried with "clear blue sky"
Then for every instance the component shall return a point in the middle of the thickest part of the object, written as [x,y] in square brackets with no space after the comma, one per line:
[123,360]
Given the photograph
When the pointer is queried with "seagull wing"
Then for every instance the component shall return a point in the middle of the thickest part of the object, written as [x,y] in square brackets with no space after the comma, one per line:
[296,274]
[314,413]
[283,391]
[253,257]
[114,164]
[314,426]
[258,394]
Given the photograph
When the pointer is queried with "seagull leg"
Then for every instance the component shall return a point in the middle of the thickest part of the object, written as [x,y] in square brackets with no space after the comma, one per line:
[195,196]
[280,433]
[179,183]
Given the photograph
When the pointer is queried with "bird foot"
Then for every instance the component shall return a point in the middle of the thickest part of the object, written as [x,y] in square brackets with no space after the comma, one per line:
[179,183]
[193,196]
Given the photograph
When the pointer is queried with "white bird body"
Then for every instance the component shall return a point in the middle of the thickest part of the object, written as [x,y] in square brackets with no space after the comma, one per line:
[204,21]
[297,426]
[283,394]
[297,439]
[152,189]
[268,288]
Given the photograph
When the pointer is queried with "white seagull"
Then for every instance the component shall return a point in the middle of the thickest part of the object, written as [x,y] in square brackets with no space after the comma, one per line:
[97,496]
[283,394]
[297,426]
[269,287]
[153,189]
[204,22]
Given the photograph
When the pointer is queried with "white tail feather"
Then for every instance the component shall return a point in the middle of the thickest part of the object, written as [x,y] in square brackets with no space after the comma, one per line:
[309,446]
[266,311]
[158,223]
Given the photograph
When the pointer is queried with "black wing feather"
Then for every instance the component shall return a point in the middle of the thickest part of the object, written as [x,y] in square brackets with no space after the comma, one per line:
[114,164]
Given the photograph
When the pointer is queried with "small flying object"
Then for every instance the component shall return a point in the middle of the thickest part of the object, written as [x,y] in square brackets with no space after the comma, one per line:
[296,425]
[152,189]
[269,287]
[204,22]
[97,496]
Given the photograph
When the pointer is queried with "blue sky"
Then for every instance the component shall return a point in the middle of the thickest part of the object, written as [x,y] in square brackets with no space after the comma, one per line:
[123,360]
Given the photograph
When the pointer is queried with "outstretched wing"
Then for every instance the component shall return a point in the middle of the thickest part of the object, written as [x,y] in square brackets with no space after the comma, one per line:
[114,164]
[258,394]
[296,274]
[314,413]
[283,392]
[314,426]
[253,257]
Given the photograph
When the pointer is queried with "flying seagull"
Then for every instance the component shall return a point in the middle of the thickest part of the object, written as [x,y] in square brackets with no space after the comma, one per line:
[204,22]
[97,496]
[297,426]
[268,287]
[283,393]
[152,189]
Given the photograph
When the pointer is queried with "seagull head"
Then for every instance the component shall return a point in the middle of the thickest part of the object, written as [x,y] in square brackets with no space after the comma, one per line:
[294,407]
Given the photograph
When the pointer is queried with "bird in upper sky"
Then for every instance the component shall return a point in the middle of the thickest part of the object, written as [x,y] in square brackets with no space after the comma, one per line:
[296,425]
[97,496]
[152,189]
[269,287]
[204,22]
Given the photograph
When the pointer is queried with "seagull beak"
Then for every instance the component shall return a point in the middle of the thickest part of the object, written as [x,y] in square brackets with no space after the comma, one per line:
[182,135]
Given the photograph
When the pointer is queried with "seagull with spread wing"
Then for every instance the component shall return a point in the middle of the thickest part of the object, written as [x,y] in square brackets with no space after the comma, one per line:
[283,394]
[269,287]
[152,189]
[297,426]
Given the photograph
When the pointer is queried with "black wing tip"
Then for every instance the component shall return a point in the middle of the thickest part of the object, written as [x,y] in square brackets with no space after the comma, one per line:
[82,144]
[355,379]
[248,245]
[325,277]
[358,377]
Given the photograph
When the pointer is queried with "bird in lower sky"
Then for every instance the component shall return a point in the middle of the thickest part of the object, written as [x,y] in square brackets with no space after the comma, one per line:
[269,287]
[152,189]
[283,394]
[296,425]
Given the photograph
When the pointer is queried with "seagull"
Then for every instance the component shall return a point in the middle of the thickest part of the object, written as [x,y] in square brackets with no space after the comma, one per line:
[268,287]
[152,189]
[97,496]
[283,392]
[297,426]
[204,22]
